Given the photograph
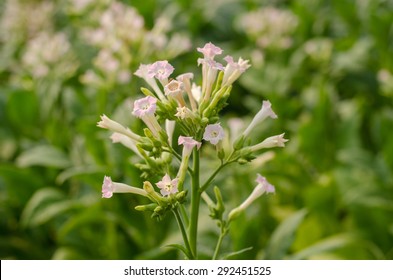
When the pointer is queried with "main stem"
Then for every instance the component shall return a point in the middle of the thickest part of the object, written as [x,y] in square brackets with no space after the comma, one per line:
[195,200]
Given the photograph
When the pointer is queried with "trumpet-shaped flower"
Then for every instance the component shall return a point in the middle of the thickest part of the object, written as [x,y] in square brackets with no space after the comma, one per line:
[264,112]
[214,133]
[107,123]
[144,106]
[175,90]
[210,50]
[186,80]
[233,70]
[270,142]
[109,188]
[168,186]
[160,70]
[142,72]
[144,109]
[263,187]
[189,143]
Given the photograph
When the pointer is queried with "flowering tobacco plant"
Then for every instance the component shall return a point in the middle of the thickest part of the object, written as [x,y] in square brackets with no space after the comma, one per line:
[174,166]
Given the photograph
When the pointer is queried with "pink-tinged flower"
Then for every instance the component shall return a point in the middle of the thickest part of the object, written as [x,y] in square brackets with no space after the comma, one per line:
[144,109]
[170,129]
[264,112]
[214,133]
[168,186]
[210,50]
[209,74]
[161,70]
[142,72]
[270,142]
[109,188]
[188,142]
[144,106]
[233,70]
[263,187]
[114,126]
[264,184]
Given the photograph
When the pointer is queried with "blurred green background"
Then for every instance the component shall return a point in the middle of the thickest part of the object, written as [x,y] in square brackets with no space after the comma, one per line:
[326,67]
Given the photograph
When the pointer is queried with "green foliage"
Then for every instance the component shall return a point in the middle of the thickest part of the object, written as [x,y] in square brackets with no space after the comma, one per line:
[331,87]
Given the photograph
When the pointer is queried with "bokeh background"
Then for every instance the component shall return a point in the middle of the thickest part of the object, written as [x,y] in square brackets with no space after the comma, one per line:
[326,67]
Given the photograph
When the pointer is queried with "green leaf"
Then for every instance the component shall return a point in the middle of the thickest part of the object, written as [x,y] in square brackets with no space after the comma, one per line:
[234,254]
[38,203]
[325,245]
[44,155]
[77,171]
[284,235]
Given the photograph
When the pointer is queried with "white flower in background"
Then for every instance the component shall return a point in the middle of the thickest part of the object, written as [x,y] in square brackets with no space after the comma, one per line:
[50,54]
[270,27]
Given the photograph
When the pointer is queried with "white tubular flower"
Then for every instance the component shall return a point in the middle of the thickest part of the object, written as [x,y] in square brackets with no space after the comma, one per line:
[233,70]
[263,187]
[270,142]
[109,188]
[175,89]
[196,92]
[125,141]
[188,145]
[142,72]
[144,108]
[209,68]
[107,123]
[186,80]
[170,128]
[266,111]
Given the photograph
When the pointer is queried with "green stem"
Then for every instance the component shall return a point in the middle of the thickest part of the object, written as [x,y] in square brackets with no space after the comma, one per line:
[183,231]
[184,214]
[195,200]
[224,231]
[219,242]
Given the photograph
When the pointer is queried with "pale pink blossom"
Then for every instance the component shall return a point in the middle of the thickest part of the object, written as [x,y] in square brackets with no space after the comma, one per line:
[160,70]
[263,187]
[233,70]
[144,106]
[144,109]
[189,142]
[125,141]
[270,142]
[109,188]
[214,133]
[264,112]
[210,50]
[168,186]
[142,72]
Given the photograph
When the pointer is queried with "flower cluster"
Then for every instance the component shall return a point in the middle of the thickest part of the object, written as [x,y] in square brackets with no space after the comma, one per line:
[270,27]
[178,103]
[122,39]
